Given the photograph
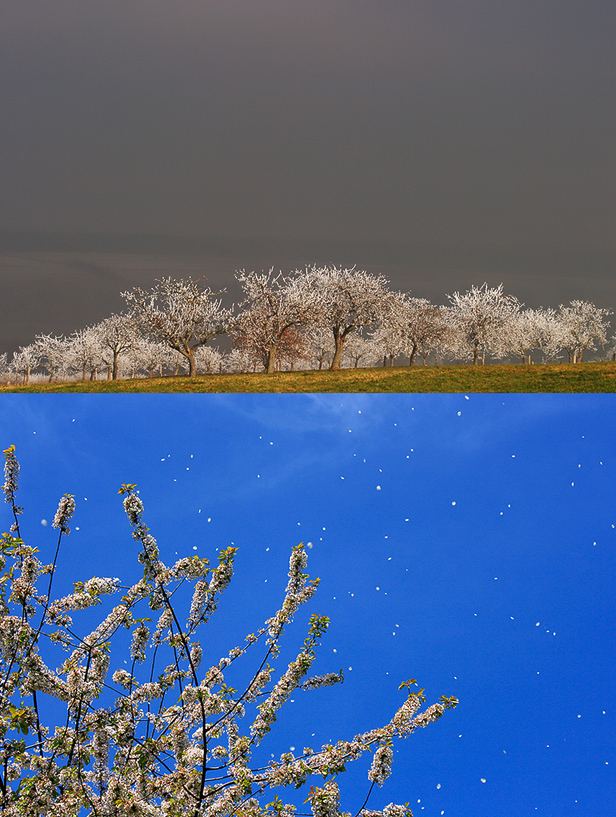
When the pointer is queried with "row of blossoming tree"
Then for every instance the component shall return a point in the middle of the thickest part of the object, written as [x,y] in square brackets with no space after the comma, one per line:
[162,737]
[311,318]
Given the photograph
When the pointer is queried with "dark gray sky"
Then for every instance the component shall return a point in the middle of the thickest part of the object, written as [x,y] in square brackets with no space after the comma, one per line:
[442,143]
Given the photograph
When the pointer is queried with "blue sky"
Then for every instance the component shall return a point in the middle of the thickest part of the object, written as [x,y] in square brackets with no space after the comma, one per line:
[463,540]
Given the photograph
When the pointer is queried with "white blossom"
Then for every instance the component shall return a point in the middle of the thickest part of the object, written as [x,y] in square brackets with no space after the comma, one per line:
[325,802]
[396,811]
[380,769]
[11,474]
[66,509]
[141,636]
[122,677]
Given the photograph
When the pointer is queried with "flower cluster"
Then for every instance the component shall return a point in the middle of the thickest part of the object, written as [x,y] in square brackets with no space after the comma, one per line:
[134,508]
[397,811]
[280,694]
[101,587]
[66,509]
[381,765]
[11,474]
[141,636]
[403,719]
[325,802]
[323,680]
[432,713]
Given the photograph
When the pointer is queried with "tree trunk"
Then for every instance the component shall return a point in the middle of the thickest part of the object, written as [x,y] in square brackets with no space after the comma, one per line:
[271,359]
[114,374]
[192,366]
[336,360]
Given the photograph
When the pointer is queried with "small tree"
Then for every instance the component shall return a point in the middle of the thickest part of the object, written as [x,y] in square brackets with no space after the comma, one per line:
[584,325]
[52,352]
[479,315]
[551,334]
[321,345]
[84,351]
[239,360]
[25,361]
[208,360]
[179,314]
[358,349]
[149,357]
[273,307]
[344,301]
[522,334]
[165,740]
[117,336]
[387,337]
[410,326]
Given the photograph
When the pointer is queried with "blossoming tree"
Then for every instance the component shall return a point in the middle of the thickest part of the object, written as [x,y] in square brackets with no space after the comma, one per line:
[344,301]
[178,313]
[25,360]
[117,336]
[584,325]
[273,308]
[161,737]
[480,316]
[52,353]
[410,326]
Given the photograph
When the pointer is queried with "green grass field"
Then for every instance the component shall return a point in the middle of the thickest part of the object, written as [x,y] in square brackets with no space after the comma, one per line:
[581,377]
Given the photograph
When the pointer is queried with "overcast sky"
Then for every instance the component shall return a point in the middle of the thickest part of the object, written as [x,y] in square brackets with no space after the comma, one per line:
[438,142]
[465,541]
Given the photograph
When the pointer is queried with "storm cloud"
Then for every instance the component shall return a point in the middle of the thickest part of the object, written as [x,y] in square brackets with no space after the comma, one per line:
[441,143]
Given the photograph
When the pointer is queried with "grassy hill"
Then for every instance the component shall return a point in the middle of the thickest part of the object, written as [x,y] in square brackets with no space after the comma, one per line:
[560,377]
